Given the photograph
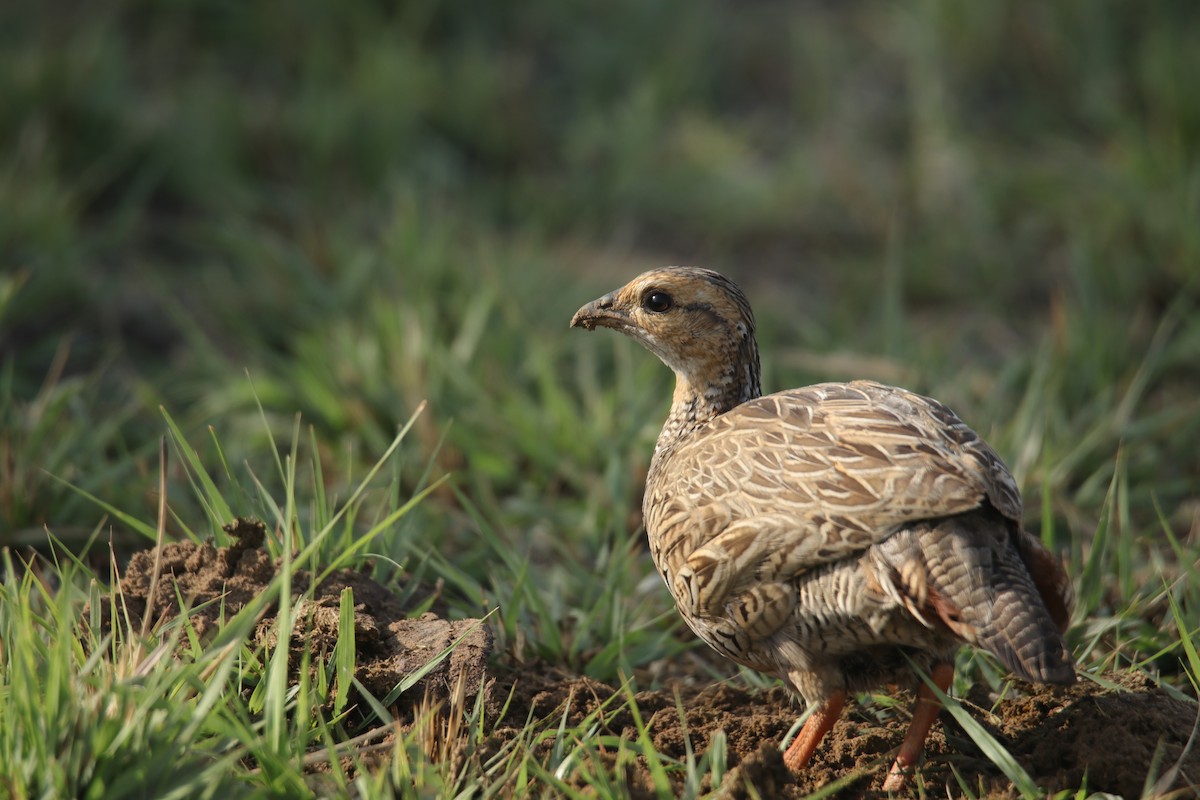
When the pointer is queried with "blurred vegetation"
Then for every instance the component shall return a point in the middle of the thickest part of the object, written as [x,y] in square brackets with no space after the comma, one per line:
[244,211]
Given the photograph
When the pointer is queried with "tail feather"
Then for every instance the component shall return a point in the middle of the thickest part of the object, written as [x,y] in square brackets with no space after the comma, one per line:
[1021,631]
[979,584]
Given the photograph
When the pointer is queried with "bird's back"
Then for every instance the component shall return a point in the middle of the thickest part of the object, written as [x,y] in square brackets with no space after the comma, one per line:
[775,523]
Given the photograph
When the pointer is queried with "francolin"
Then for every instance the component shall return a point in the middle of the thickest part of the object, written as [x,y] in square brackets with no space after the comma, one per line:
[841,536]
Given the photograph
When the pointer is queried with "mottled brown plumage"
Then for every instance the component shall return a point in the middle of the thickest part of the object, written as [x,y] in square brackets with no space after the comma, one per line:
[834,535]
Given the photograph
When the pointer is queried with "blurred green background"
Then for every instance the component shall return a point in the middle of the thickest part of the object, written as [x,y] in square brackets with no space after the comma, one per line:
[342,209]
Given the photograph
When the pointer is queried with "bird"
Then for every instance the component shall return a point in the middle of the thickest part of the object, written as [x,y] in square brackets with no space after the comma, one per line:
[841,536]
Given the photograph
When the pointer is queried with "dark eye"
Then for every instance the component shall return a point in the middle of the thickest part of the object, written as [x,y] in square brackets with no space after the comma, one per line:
[658,302]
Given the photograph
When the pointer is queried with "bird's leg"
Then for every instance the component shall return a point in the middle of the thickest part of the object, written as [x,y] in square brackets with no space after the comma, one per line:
[925,711]
[814,730]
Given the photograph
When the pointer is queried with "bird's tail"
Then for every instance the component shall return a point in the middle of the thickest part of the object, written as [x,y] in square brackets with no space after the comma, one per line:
[998,589]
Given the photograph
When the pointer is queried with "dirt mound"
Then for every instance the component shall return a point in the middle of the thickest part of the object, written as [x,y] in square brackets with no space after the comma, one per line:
[1109,737]
[216,583]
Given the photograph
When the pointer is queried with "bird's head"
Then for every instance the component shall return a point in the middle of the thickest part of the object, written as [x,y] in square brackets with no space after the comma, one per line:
[696,320]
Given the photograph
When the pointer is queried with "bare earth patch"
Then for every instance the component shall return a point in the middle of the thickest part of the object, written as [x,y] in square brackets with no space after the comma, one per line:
[1061,737]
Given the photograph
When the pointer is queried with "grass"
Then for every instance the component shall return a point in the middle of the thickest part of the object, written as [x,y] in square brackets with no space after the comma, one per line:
[294,227]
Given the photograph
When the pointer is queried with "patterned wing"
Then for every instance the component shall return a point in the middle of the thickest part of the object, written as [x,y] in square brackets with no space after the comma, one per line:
[787,482]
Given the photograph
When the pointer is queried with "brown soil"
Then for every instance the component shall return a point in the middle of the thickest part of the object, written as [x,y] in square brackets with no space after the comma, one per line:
[1110,738]
[216,583]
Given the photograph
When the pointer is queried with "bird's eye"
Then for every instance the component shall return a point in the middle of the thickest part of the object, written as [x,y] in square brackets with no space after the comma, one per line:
[658,302]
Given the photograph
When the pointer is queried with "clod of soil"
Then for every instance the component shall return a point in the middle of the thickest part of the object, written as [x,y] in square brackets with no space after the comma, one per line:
[1112,738]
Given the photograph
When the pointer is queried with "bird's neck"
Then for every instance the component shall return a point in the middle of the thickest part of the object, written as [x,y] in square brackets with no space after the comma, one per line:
[709,389]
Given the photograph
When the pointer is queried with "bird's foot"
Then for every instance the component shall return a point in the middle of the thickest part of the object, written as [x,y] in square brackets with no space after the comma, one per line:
[925,711]
[819,723]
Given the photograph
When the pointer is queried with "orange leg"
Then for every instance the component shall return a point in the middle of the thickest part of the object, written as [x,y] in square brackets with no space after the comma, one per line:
[925,711]
[797,756]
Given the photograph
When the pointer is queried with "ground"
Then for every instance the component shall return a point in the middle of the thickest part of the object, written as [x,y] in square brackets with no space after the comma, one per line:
[1107,734]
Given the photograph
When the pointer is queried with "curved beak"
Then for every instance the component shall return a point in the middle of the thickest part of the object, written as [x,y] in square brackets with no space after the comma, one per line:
[601,312]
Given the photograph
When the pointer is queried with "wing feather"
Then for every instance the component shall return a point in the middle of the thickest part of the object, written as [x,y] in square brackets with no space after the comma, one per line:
[829,470]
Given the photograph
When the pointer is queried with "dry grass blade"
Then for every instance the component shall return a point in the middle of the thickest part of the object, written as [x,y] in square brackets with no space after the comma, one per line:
[160,530]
